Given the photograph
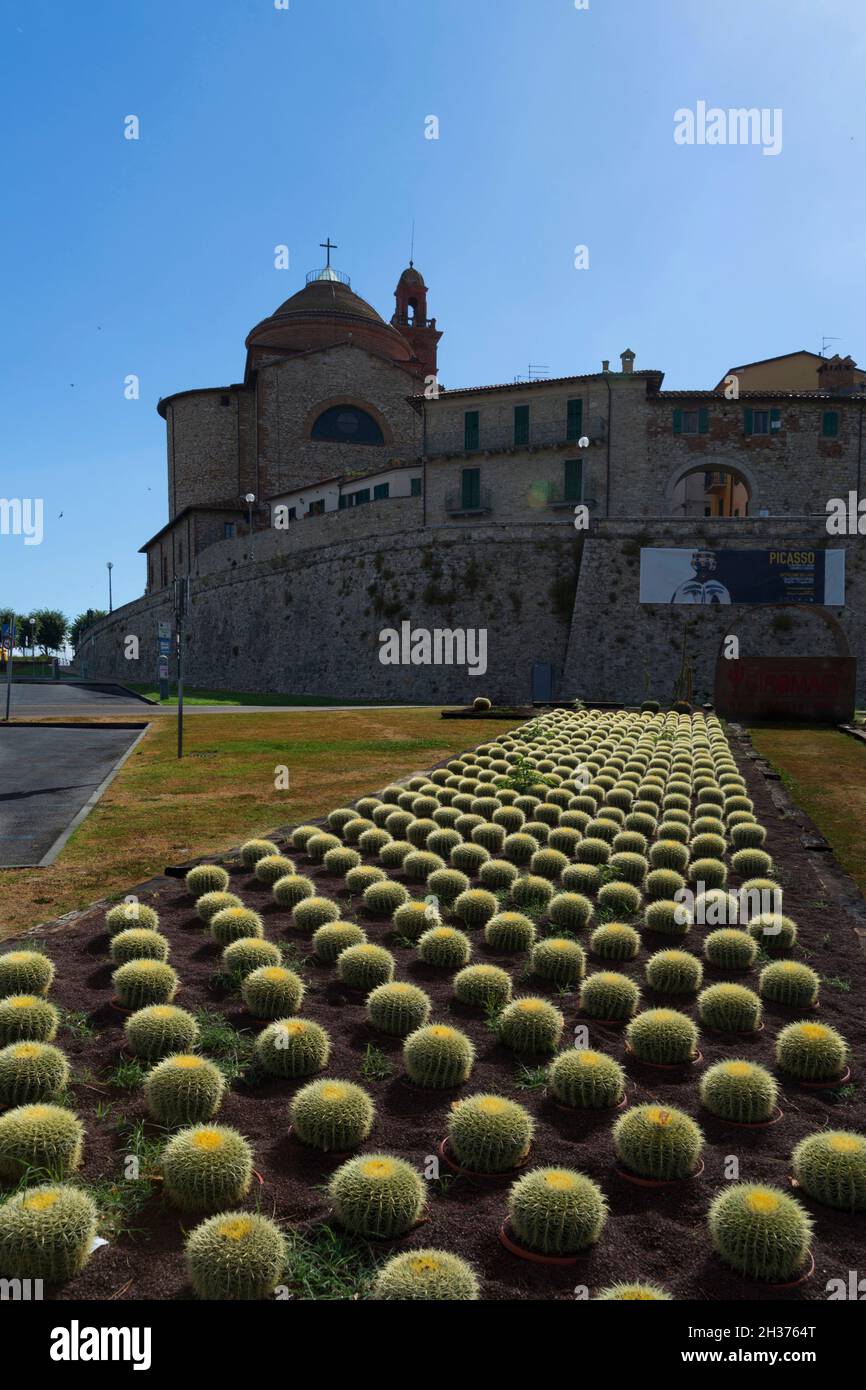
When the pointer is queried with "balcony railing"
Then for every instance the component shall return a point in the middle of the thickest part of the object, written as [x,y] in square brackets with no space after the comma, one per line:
[559,496]
[463,504]
[502,441]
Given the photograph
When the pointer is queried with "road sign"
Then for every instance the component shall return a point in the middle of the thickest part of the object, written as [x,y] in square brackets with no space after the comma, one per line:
[164,632]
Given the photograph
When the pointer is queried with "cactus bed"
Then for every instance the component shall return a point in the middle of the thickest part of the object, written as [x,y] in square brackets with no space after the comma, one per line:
[650,1236]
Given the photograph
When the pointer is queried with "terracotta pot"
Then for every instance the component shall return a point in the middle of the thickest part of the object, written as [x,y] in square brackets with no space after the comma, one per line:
[657,1182]
[826,1085]
[751,1124]
[592,1109]
[666,1066]
[451,1163]
[732,1032]
[790,1284]
[533,1256]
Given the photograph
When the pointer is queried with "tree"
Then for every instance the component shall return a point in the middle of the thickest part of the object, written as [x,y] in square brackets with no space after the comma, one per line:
[83,622]
[51,628]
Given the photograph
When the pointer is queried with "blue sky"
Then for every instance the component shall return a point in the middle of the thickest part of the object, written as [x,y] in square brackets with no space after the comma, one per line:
[262,126]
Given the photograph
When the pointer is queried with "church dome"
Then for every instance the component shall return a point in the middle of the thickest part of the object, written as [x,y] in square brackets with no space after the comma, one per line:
[326,312]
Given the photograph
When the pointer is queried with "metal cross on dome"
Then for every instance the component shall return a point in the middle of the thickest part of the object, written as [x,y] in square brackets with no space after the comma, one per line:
[329,246]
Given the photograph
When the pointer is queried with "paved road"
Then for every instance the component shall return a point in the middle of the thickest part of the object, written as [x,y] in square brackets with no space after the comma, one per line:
[47,777]
[59,701]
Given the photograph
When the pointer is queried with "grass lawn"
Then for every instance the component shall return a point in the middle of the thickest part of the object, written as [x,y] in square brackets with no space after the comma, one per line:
[825,773]
[159,811]
[196,696]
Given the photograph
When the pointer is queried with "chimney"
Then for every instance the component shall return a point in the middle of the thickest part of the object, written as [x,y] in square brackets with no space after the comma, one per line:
[605,365]
[627,360]
[838,375]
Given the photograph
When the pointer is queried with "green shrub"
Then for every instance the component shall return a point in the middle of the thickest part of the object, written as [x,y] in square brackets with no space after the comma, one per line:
[666,917]
[233,924]
[729,1008]
[334,937]
[235,1256]
[130,914]
[674,972]
[25,972]
[143,982]
[489,1134]
[40,1136]
[622,898]
[434,1275]
[272,867]
[365,966]
[740,1091]
[445,947]
[138,943]
[398,1008]
[609,995]
[341,860]
[556,1211]
[311,913]
[448,884]
[31,1072]
[377,1196]
[760,1231]
[206,878]
[183,1090]
[559,960]
[730,949]
[292,1047]
[587,1080]
[483,987]
[658,1142]
[159,1030]
[811,1052]
[475,907]
[831,1167]
[788,982]
[272,991]
[247,954]
[663,1037]
[209,904]
[206,1168]
[358,880]
[292,889]
[46,1233]
[254,850]
[438,1056]
[773,932]
[332,1115]
[615,941]
[530,1025]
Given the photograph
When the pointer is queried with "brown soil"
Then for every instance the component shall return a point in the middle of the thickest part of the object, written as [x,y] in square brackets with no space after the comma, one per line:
[651,1234]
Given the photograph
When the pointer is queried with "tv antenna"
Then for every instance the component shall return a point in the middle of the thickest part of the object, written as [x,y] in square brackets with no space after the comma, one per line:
[824,341]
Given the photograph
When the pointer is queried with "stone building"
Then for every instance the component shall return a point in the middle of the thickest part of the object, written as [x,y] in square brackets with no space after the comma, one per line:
[341,489]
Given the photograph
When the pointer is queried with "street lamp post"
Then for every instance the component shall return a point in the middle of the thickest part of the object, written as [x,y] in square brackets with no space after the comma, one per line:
[250,499]
[110,567]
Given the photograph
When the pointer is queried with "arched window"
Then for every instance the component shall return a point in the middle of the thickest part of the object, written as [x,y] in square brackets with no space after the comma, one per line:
[346,424]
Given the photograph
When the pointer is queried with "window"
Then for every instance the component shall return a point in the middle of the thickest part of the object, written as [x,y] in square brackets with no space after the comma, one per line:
[354,499]
[415,487]
[228,530]
[692,421]
[521,424]
[316,508]
[761,421]
[164,571]
[293,513]
[470,489]
[225,400]
[381,490]
[347,424]
[574,420]
[180,552]
[471,430]
[830,424]
[573,480]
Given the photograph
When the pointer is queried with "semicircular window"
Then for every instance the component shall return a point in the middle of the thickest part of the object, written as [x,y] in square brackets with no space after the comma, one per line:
[346,424]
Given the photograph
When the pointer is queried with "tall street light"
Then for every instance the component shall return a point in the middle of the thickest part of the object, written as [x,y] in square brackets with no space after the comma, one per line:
[250,499]
[110,567]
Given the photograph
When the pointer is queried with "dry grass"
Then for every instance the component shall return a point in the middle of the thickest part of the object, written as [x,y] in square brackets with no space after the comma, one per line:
[159,811]
[825,773]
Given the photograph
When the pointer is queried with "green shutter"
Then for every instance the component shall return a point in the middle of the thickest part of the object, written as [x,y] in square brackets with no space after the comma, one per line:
[703,420]
[521,424]
[574,420]
[381,490]
[573,482]
[416,487]
[471,430]
[748,417]
[775,420]
[678,422]
[830,424]
[470,497]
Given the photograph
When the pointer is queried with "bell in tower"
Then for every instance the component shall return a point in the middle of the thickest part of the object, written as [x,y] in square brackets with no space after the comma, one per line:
[410,319]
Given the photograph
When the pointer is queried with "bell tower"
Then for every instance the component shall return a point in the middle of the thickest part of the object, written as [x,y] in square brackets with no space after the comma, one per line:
[410,319]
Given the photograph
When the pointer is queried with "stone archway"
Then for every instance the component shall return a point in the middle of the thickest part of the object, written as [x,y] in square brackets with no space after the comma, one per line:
[715,468]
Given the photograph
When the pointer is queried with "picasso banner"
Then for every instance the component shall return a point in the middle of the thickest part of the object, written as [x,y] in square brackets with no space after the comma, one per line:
[787,575]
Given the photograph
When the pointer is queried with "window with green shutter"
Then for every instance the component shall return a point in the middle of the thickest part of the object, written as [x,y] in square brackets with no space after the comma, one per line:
[574,420]
[470,489]
[830,424]
[573,480]
[471,430]
[415,487]
[692,421]
[521,424]
[381,490]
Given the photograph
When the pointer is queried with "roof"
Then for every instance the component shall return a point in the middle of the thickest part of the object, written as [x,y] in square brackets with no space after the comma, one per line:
[329,298]
[650,376]
[712,393]
[235,506]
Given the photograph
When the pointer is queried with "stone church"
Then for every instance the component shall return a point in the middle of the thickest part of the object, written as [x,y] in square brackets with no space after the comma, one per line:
[340,490]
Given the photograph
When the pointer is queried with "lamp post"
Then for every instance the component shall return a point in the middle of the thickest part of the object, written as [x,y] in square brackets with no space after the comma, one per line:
[250,499]
[110,567]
